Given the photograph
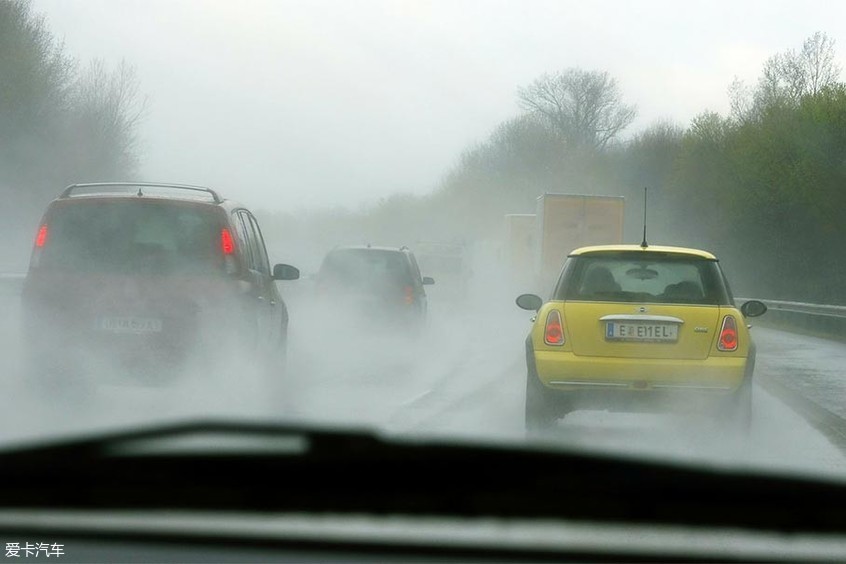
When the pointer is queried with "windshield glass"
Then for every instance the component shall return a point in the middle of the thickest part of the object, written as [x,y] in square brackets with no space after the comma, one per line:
[456,220]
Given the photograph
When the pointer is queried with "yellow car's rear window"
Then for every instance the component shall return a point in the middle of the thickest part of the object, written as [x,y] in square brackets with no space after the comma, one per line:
[655,278]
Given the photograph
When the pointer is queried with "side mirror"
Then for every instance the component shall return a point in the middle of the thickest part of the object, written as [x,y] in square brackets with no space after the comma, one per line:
[285,272]
[428,280]
[529,302]
[753,308]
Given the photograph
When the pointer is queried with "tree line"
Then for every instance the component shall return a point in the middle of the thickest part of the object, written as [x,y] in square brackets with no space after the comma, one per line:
[61,121]
[763,187]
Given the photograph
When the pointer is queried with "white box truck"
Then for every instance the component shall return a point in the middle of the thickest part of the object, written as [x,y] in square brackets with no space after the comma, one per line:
[568,221]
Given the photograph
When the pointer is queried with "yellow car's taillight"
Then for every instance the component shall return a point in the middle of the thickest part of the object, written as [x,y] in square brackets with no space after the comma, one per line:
[553,331]
[728,335]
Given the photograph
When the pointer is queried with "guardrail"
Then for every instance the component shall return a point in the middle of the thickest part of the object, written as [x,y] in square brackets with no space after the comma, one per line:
[804,317]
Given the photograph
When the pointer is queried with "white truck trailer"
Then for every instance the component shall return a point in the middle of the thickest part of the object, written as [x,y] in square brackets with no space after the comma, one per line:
[567,221]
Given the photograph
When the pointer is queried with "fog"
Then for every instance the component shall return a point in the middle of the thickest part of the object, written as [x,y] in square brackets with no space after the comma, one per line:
[462,379]
[373,123]
[291,105]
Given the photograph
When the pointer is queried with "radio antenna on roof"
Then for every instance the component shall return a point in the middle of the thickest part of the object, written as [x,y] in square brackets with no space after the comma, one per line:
[644,244]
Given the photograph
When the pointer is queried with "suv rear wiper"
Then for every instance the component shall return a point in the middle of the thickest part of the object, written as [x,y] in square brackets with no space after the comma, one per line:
[284,468]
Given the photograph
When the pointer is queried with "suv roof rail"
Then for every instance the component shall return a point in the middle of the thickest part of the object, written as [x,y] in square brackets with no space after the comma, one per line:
[68,192]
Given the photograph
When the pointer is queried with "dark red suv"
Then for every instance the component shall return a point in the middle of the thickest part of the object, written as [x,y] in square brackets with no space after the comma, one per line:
[129,275]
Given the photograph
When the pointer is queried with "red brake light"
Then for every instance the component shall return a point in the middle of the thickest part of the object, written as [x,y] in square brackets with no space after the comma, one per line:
[728,335]
[409,295]
[227,245]
[553,333]
[41,238]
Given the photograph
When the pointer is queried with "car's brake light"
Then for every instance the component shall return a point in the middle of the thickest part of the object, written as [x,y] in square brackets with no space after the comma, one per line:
[41,238]
[409,294]
[227,245]
[40,241]
[553,333]
[728,335]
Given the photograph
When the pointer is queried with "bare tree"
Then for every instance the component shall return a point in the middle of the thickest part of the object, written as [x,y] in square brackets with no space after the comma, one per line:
[584,107]
[818,60]
[789,76]
[741,99]
[108,110]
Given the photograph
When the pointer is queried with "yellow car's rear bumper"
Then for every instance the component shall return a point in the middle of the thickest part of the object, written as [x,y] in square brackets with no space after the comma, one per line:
[567,372]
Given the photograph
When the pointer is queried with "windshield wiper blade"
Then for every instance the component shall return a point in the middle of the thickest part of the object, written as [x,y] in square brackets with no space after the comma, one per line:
[192,437]
[339,471]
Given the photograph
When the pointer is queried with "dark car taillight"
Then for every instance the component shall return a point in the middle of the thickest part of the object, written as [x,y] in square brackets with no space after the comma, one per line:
[41,238]
[227,245]
[728,335]
[40,242]
[553,332]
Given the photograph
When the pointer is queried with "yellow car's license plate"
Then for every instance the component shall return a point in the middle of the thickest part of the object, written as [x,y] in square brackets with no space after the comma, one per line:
[650,332]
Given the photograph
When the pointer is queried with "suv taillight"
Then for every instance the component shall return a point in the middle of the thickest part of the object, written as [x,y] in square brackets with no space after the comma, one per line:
[227,245]
[40,241]
[553,332]
[41,238]
[408,292]
[728,335]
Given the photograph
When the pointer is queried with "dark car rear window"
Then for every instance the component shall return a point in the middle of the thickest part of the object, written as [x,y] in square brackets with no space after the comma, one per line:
[653,278]
[365,268]
[133,237]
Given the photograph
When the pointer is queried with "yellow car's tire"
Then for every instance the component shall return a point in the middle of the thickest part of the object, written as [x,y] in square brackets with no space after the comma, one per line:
[543,407]
[741,409]
[741,406]
[538,417]
[733,415]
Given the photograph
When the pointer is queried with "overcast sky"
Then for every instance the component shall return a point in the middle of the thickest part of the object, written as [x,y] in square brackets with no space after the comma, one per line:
[292,105]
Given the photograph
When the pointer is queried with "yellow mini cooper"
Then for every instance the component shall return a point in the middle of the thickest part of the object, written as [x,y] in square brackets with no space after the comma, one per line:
[632,326]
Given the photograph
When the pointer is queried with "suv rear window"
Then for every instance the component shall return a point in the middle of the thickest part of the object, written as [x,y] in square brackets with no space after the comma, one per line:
[365,268]
[132,237]
[655,278]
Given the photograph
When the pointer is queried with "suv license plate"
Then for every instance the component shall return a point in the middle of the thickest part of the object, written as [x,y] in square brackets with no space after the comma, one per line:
[647,332]
[130,325]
